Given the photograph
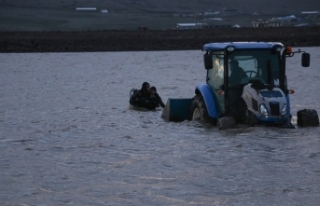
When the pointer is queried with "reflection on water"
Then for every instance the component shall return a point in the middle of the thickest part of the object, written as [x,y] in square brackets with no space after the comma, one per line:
[67,136]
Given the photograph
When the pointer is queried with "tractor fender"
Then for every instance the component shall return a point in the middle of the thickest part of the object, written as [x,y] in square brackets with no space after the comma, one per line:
[209,99]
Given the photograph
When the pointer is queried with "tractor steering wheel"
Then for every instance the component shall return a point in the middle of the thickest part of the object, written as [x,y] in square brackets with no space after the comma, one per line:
[250,73]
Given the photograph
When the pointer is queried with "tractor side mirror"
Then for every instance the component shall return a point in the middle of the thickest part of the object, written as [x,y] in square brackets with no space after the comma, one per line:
[208,64]
[305,60]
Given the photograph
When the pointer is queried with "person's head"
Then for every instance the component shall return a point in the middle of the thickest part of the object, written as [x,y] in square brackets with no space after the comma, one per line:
[145,86]
[153,90]
[234,64]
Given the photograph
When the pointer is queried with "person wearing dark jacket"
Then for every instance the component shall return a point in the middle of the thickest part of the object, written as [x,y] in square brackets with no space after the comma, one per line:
[237,73]
[143,98]
[153,91]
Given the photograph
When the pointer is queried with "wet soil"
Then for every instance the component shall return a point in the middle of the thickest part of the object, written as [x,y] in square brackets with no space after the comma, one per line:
[150,40]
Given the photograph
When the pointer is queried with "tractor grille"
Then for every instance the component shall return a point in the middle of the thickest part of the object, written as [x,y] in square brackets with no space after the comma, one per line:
[274,107]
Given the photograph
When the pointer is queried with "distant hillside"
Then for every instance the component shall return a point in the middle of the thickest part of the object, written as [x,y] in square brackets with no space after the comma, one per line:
[61,15]
[245,6]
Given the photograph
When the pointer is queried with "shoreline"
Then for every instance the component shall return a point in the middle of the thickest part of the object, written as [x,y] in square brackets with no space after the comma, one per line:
[150,40]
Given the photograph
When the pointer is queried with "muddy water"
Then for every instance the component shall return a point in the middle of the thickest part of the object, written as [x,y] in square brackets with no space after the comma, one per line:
[67,136]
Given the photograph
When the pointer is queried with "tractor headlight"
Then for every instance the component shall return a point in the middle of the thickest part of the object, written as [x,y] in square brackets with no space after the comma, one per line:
[284,109]
[264,111]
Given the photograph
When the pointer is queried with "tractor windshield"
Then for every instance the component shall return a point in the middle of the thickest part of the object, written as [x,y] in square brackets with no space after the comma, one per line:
[249,66]
[260,66]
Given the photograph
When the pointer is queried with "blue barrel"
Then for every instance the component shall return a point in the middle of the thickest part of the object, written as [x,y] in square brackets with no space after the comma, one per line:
[177,110]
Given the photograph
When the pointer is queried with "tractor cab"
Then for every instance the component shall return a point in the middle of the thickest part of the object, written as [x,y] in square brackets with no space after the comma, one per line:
[232,66]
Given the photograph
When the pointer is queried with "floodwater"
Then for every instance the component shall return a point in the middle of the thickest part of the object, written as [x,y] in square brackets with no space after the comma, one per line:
[67,136]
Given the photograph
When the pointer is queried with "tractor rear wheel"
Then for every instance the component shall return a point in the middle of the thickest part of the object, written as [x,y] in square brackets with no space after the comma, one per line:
[199,111]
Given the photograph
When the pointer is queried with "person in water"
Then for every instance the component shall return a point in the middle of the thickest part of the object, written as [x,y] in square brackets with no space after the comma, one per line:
[153,91]
[143,98]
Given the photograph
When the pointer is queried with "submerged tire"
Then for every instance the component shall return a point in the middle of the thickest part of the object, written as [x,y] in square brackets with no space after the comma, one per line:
[199,111]
[227,122]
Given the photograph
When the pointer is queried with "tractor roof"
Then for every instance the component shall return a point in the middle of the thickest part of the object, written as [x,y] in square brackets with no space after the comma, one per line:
[240,45]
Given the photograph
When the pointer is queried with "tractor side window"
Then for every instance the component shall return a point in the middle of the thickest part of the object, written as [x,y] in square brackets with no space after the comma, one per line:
[275,71]
[216,79]
[269,69]
[216,73]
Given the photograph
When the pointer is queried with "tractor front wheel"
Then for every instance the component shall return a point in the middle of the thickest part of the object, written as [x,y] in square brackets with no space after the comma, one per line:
[200,112]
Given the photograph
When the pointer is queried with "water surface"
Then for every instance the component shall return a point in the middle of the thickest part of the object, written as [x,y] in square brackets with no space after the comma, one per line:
[67,136]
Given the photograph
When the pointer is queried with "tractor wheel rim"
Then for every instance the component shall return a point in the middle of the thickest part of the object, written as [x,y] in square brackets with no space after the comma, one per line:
[196,114]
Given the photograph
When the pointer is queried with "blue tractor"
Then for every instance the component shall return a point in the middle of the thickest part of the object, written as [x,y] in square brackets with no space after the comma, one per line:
[245,81]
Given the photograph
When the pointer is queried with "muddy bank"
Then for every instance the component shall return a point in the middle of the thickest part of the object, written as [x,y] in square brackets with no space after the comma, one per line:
[144,40]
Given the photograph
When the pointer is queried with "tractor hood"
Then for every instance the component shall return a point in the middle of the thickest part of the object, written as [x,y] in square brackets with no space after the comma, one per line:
[268,103]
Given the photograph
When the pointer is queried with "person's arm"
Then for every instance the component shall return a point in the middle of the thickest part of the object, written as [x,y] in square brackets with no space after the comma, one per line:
[162,104]
[159,100]
[243,73]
